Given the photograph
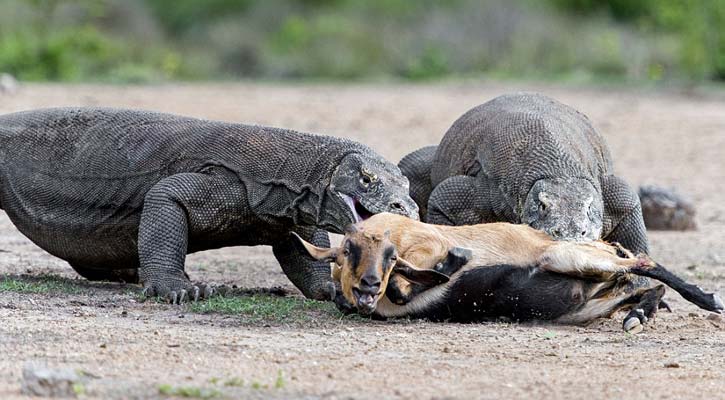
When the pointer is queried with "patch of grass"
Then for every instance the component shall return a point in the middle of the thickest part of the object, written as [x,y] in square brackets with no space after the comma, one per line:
[263,308]
[193,392]
[234,382]
[79,389]
[42,285]
[549,335]
[279,382]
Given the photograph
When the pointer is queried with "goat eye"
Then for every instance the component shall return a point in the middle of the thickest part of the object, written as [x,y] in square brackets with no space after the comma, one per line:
[346,252]
[393,258]
[365,180]
[542,207]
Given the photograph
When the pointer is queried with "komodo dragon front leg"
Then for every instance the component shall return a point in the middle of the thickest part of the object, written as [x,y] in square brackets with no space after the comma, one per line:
[311,277]
[456,201]
[416,166]
[465,200]
[202,206]
[211,208]
[623,222]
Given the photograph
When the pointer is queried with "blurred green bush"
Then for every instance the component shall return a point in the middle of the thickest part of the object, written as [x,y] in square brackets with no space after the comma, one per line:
[154,40]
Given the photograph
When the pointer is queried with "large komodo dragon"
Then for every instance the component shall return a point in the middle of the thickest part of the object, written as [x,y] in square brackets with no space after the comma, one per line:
[526,158]
[123,194]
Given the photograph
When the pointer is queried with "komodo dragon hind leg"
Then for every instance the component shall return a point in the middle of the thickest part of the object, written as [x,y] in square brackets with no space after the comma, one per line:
[416,167]
[456,201]
[311,277]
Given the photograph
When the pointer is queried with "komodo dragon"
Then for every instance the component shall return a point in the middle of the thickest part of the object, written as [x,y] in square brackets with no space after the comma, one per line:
[123,194]
[526,158]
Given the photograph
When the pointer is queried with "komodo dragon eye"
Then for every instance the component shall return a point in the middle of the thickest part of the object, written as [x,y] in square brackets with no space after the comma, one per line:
[366,178]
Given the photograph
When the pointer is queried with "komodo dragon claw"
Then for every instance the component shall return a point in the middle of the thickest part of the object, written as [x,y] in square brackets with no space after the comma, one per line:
[191,293]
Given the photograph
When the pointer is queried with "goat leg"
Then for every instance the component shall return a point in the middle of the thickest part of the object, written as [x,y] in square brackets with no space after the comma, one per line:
[692,293]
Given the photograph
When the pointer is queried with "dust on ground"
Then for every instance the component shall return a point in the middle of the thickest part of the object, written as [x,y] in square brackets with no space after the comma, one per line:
[131,349]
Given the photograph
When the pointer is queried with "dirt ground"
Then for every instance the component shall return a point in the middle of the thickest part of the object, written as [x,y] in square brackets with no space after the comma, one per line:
[129,349]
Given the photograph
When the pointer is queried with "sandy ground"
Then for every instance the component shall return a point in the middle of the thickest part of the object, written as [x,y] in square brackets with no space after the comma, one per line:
[128,348]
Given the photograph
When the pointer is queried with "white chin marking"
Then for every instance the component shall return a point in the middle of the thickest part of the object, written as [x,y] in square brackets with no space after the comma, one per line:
[351,205]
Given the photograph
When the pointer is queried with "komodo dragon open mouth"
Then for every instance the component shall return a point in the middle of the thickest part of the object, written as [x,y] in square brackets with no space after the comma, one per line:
[359,212]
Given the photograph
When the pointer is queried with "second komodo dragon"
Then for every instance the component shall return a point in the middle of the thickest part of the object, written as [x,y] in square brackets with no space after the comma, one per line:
[123,194]
[526,158]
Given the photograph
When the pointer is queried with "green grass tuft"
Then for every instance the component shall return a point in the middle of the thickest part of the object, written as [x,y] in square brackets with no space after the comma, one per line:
[279,382]
[234,382]
[263,308]
[188,392]
[44,285]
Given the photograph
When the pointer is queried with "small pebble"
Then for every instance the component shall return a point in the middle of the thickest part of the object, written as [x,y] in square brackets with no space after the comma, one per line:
[672,365]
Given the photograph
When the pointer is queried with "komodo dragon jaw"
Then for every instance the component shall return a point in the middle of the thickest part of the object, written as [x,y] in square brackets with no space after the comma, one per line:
[364,186]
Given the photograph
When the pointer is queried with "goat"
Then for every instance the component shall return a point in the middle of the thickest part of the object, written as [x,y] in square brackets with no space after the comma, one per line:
[478,272]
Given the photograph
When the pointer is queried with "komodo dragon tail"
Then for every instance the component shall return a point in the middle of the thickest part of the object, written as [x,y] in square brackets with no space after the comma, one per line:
[416,167]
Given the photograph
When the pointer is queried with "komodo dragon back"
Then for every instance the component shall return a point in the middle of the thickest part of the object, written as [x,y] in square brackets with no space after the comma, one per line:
[516,139]
[526,158]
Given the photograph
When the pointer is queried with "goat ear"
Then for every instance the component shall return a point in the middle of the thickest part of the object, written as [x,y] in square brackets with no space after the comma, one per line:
[413,274]
[318,253]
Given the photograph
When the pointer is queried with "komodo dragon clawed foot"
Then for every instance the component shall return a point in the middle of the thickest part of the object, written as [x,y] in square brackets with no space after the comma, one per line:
[177,291]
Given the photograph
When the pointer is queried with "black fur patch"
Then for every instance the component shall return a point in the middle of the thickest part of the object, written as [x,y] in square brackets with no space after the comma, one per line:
[355,254]
[389,251]
[514,292]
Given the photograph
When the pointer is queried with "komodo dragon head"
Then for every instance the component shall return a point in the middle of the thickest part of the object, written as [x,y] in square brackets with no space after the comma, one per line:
[565,208]
[363,185]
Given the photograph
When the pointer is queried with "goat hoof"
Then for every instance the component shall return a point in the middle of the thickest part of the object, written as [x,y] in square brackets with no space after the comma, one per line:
[633,325]
[462,254]
[718,303]
[664,306]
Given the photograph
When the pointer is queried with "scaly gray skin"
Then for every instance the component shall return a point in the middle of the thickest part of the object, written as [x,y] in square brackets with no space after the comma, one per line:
[116,191]
[526,158]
